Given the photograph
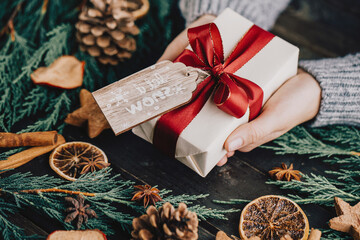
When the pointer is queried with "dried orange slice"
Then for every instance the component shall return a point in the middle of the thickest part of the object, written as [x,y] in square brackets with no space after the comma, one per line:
[273,217]
[72,159]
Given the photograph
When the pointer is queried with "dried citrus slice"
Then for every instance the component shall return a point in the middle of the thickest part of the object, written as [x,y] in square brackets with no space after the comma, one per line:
[273,217]
[72,159]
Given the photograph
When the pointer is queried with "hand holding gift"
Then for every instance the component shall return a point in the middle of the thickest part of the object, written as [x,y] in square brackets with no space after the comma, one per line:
[295,102]
[246,66]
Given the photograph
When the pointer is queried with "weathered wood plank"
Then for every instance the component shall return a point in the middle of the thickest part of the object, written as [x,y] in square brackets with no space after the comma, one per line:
[319,38]
[307,25]
[147,94]
[30,228]
[238,179]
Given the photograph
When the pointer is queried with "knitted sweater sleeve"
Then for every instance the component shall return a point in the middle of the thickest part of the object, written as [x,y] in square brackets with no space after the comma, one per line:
[262,12]
[339,78]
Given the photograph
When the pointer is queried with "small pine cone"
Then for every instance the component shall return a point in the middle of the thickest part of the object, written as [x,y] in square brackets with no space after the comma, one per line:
[106,28]
[167,223]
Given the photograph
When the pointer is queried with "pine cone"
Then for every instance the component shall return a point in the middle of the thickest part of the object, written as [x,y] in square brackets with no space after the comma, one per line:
[167,223]
[105,30]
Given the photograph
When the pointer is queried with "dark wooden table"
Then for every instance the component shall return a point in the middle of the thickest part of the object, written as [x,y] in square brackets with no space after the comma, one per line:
[323,28]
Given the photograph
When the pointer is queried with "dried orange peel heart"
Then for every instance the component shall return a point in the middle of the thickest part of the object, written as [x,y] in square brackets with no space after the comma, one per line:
[65,72]
[273,217]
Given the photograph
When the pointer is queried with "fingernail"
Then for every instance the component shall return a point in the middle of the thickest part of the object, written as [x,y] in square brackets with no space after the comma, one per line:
[222,162]
[235,144]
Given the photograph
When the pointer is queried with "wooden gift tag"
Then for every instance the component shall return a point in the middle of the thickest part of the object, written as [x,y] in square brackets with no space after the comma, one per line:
[147,94]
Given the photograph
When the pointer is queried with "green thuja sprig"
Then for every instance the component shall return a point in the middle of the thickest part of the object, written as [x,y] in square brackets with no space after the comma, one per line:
[16,86]
[93,75]
[300,141]
[316,189]
[9,230]
[109,195]
[324,143]
[329,234]
[58,108]
[6,154]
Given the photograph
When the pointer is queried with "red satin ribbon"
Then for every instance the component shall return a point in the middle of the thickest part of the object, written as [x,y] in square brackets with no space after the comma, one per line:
[232,94]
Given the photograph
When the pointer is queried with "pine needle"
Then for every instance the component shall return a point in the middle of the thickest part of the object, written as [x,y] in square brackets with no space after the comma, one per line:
[300,141]
[110,198]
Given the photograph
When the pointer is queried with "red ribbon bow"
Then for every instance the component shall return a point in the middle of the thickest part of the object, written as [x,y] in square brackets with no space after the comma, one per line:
[233,94]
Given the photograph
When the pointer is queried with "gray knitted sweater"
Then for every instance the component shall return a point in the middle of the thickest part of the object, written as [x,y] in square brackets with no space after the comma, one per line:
[339,78]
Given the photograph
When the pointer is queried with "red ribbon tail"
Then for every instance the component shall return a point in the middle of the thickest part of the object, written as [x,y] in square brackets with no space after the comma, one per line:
[234,95]
[170,125]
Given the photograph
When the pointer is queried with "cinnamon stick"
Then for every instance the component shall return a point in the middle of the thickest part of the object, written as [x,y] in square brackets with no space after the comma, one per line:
[27,155]
[28,139]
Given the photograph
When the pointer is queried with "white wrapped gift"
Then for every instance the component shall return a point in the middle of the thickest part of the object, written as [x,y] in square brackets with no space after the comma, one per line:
[200,146]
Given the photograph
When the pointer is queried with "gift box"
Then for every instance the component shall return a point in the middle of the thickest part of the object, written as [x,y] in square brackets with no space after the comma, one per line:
[267,64]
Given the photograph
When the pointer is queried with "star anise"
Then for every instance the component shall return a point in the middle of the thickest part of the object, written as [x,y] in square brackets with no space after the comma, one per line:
[79,210]
[93,163]
[285,173]
[148,193]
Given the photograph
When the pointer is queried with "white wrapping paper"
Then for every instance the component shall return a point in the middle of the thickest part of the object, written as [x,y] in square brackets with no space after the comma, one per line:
[201,145]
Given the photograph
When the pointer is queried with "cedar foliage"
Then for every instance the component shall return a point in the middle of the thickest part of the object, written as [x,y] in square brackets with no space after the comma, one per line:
[44,31]
[112,201]
[338,146]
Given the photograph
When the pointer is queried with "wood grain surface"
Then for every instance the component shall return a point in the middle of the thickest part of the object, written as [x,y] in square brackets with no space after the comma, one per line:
[146,94]
[322,28]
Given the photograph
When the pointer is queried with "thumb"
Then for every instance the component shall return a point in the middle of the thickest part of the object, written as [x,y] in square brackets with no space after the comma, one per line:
[243,136]
[254,133]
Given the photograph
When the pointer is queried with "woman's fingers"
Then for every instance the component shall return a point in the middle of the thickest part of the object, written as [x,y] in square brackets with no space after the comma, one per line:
[297,101]
[230,154]
[181,41]
[222,161]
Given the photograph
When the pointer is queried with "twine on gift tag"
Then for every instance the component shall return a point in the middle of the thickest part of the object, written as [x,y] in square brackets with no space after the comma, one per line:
[147,94]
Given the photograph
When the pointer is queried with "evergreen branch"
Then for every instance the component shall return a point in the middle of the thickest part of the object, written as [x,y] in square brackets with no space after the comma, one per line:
[351,162]
[5,155]
[60,107]
[185,198]
[232,201]
[92,73]
[344,135]
[102,190]
[6,9]
[57,190]
[33,102]
[355,153]
[315,189]
[206,213]
[40,19]
[21,99]
[329,234]
[52,49]
[10,22]
[300,141]
[28,190]
[10,231]
[16,89]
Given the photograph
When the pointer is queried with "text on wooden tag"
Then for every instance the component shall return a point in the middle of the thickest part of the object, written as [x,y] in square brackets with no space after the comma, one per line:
[146,94]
